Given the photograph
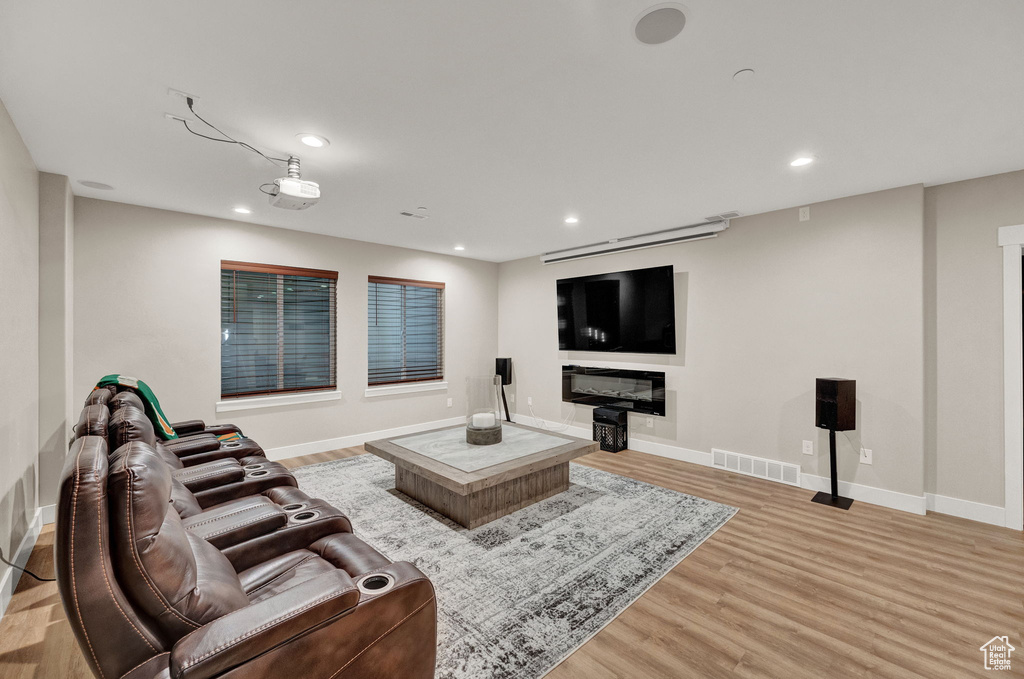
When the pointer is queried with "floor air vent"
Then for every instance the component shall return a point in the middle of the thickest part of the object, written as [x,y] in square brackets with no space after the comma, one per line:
[772,470]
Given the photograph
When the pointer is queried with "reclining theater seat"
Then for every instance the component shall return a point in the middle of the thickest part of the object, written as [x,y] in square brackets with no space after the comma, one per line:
[244,524]
[191,449]
[211,482]
[102,395]
[227,503]
[149,600]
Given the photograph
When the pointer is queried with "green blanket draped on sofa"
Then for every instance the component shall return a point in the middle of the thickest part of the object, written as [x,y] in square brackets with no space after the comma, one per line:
[153,410]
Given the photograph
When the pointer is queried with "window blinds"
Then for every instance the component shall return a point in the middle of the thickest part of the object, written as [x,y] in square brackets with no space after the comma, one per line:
[406,330]
[277,329]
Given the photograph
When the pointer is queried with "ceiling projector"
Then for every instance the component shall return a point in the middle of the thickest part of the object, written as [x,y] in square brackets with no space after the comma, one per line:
[292,192]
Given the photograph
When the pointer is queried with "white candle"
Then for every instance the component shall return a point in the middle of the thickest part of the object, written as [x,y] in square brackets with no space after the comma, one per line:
[483,420]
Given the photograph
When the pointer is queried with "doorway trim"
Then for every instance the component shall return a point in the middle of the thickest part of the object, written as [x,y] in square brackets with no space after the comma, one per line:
[1011,240]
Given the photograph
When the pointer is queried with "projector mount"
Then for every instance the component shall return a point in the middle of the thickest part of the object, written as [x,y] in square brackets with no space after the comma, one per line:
[290,192]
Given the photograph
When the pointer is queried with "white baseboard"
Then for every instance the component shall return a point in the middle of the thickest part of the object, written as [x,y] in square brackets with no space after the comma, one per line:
[639,445]
[49,513]
[10,576]
[965,509]
[285,452]
[915,504]
[869,494]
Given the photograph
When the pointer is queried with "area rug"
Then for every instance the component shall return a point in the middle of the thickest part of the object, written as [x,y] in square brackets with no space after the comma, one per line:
[518,595]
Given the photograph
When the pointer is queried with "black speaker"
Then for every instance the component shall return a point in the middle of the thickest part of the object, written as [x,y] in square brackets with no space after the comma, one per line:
[835,404]
[503,368]
[610,415]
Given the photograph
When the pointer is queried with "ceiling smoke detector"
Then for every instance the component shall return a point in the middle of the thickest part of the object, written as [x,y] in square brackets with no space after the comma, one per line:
[659,24]
[415,215]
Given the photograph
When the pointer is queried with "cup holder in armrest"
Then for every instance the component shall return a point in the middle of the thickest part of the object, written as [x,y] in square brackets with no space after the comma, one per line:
[233,444]
[259,472]
[303,517]
[294,507]
[253,466]
[375,583]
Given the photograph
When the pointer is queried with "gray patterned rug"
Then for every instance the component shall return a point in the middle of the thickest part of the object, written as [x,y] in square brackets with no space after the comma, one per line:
[518,595]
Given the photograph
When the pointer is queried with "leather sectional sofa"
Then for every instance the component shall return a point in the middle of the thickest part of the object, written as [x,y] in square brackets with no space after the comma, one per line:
[174,568]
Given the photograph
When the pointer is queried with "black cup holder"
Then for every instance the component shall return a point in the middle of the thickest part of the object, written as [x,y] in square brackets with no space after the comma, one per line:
[302,517]
[376,583]
[293,507]
[259,472]
[233,444]
[253,466]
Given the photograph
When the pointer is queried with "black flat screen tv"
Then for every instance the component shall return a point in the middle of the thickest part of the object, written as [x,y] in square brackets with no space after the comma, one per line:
[626,311]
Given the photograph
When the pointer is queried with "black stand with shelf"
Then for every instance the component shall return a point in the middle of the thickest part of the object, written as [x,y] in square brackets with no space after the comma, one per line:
[610,429]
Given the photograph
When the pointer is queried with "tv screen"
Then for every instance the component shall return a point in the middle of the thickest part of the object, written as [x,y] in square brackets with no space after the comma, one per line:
[626,311]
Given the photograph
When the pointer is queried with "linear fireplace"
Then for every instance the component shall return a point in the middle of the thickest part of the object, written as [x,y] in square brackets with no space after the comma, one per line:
[639,391]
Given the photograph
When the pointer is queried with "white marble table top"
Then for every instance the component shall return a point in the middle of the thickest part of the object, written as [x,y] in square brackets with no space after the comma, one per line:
[449,447]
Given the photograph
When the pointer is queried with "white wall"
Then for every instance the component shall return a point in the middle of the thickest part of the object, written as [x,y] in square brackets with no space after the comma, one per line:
[57,411]
[19,332]
[147,304]
[763,310]
[965,360]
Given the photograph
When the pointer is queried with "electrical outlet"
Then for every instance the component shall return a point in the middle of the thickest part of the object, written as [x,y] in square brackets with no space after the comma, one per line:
[805,214]
[511,398]
[182,95]
[529,400]
[865,456]
[449,403]
[808,448]
[648,421]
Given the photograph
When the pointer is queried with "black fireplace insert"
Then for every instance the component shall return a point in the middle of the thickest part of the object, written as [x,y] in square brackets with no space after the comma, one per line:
[638,391]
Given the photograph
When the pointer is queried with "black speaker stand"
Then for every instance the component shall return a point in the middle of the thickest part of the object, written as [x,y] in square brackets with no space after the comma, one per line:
[833,499]
[505,403]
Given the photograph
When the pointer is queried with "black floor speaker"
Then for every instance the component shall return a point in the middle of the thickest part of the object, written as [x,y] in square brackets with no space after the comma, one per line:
[503,369]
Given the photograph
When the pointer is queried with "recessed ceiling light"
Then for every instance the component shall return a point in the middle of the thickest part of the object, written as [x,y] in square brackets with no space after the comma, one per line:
[314,140]
[243,210]
[659,24]
[96,185]
[801,161]
[459,248]
[572,220]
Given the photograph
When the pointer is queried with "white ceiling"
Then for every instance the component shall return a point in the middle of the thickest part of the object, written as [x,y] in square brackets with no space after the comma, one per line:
[504,117]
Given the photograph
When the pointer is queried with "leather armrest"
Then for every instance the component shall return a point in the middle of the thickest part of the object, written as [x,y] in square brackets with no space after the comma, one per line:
[244,634]
[186,427]
[210,475]
[192,446]
[297,534]
[255,480]
[236,522]
[221,429]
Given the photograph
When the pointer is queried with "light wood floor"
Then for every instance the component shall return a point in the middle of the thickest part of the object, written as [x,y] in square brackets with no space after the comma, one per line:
[785,589]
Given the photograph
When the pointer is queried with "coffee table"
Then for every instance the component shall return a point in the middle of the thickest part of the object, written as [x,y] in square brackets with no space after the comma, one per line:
[473,485]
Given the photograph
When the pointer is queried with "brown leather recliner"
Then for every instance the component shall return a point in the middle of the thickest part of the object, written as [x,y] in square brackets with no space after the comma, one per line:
[102,395]
[213,481]
[191,449]
[236,507]
[149,600]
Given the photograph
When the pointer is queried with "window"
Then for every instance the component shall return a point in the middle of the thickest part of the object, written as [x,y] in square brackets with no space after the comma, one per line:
[406,336]
[277,329]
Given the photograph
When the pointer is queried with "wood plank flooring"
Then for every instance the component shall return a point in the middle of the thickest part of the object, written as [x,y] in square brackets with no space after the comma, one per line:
[786,589]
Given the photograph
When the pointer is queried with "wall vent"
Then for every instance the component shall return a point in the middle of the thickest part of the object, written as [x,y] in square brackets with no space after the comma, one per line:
[773,470]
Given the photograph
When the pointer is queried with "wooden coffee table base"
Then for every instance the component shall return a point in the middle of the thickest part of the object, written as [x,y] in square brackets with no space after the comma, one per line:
[485,505]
